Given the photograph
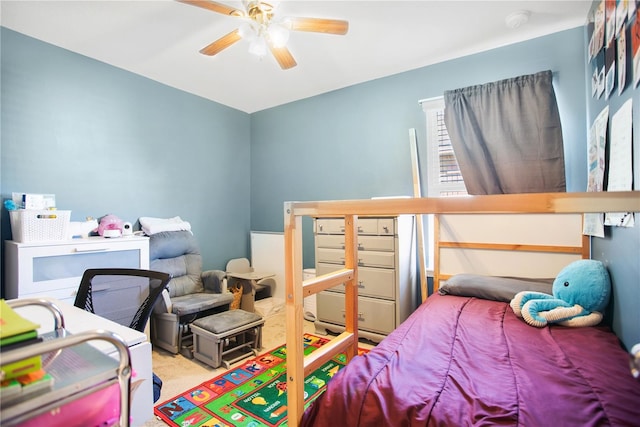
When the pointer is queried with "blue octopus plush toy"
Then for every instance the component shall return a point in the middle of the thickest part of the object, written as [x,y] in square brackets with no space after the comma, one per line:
[581,292]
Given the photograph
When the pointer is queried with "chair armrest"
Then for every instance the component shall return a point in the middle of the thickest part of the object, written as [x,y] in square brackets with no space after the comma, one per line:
[163,305]
[212,280]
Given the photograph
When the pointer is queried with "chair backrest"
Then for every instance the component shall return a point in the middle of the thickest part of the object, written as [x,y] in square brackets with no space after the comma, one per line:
[239,265]
[178,254]
[123,295]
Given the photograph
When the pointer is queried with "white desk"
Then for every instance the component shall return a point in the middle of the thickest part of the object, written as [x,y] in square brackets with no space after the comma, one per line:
[77,320]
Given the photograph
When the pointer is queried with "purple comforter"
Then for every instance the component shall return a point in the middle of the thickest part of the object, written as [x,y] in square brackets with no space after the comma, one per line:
[464,361]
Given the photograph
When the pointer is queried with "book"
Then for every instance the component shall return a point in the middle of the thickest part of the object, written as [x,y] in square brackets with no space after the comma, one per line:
[15,329]
[14,340]
[10,390]
[12,324]
[20,344]
[21,367]
[25,386]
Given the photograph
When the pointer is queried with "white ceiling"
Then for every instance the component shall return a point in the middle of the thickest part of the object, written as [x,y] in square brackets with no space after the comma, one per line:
[160,39]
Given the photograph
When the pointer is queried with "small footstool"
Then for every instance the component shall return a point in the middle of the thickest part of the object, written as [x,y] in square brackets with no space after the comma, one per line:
[227,337]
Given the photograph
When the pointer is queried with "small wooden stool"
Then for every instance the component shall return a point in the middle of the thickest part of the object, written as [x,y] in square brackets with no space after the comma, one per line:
[227,337]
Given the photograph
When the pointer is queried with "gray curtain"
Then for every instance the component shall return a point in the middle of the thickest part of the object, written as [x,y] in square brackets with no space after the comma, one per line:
[507,136]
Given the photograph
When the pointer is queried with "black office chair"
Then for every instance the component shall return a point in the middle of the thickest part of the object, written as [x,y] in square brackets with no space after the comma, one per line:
[123,295]
[117,292]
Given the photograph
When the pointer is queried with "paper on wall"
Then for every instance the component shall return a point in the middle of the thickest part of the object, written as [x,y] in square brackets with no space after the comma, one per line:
[593,222]
[620,164]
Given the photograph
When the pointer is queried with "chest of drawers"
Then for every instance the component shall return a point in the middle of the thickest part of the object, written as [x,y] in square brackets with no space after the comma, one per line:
[387,291]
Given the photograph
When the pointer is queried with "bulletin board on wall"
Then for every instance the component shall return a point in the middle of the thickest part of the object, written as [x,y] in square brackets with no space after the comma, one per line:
[614,61]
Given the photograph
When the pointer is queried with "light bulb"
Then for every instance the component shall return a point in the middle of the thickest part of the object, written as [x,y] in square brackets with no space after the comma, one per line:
[278,35]
[247,32]
[258,47]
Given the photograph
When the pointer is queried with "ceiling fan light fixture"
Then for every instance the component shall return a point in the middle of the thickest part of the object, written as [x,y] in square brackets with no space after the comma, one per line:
[258,47]
[263,31]
[278,35]
[247,32]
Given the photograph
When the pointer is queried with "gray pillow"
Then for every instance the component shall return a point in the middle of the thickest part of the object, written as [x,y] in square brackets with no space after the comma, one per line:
[493,287]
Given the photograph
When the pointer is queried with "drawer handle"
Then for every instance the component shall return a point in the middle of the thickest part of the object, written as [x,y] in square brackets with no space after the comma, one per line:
[361,284]
[360,315]
[91,249]
[360,262]
[386,229]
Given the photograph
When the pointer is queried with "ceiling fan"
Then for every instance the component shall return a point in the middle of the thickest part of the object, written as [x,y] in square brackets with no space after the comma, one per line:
[263,31]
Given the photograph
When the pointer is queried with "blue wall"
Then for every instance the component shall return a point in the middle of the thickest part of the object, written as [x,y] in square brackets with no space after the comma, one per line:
[108,141]
[354,142]
[620,249]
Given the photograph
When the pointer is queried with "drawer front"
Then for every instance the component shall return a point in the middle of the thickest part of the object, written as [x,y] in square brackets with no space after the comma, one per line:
[332,241]
[373,282]
[376,243]
[368,226]
[331,256]
[377,259]
[330,226]
[62,292]
[49,268]
[61,271]
[386,227]
[365,258]
[73,265]
[365,243]
[373,315]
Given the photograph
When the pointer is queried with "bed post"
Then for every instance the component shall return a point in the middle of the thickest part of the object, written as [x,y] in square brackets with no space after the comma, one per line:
[351,286]
[293,309]
[436,252]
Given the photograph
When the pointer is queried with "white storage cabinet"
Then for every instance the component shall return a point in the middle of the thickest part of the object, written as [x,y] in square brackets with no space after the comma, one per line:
[54,269]
[387,292]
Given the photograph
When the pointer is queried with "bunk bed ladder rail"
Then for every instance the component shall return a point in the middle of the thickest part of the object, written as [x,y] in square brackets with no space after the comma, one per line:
[298,367]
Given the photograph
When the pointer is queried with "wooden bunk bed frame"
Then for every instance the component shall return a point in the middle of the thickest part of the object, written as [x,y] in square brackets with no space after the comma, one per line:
[299,366]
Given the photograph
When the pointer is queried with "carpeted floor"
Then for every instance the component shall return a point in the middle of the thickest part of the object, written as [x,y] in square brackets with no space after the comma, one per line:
[179,373]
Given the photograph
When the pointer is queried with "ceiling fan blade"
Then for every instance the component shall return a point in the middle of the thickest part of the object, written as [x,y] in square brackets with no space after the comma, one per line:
[318,25]
[283,56]
[221,44]
[215,7]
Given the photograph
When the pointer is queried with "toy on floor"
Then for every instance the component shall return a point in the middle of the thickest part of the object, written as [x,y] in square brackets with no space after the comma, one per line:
[581,292]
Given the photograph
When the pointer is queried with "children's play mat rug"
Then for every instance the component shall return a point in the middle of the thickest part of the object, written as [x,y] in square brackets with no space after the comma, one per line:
[252,394]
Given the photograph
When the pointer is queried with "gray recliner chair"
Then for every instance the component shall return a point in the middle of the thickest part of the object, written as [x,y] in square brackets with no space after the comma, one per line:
[192,293]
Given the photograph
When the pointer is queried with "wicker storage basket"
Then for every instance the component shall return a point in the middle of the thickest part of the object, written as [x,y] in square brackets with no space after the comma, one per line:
[29,225]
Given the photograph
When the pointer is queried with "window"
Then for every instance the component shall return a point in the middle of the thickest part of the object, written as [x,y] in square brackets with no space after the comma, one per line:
[443,174]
